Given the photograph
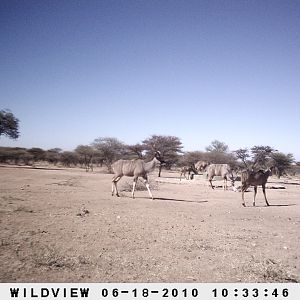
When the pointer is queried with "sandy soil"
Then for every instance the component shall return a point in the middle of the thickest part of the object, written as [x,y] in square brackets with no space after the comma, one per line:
[64,226]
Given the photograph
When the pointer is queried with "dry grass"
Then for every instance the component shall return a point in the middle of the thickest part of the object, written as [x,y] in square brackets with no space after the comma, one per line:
[267,270]
[23,209]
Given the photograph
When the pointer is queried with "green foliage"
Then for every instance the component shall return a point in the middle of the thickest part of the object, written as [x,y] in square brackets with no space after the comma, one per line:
[168,146]
[282,162]
[261,155]
[259,158]
[218,153]
[38,154]
[243,155]
[9,124]
[189,158]
[69,158]
[222,158]
[135,151]
[111,149]
[217,146]
[86,154]
[15,155]
[53,155]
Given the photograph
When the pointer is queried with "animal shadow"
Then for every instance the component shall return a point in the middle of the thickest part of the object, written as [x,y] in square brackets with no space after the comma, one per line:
[179,200]
[274,205]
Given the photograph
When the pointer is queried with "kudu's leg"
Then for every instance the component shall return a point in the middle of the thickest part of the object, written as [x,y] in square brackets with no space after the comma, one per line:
[114,185]
[210,181]
[244,188]
[135,179]
[264,191]
[232,179]
[255,192]
[225,183]
[147,186]
[185,175]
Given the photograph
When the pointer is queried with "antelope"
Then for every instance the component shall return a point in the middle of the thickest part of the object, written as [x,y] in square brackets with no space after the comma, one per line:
[134,168]
[188,170]
[201,165]
[255,178]
[223,170]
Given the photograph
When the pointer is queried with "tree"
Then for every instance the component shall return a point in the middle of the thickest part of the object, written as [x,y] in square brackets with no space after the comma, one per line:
[37,153]
[9,124]
[15,155]
[261,155]
[86,154]
[5,154]
[168,146]
[218,153]
[215,157]
[53,155]
[243,155]
[191,157]
[69,158]
[282,162]
[217,146]
[110,148]
[136,150]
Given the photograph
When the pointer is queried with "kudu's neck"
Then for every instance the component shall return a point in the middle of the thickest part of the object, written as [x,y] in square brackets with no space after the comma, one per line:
[150,166]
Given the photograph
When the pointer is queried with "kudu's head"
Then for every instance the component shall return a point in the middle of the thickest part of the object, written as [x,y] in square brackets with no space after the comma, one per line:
[159,157]
[193,168]
[273,170]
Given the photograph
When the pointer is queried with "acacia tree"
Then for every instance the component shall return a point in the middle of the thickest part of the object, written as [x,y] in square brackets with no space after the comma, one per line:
[9,124]
[243,155]
[261,155]
[69,158]
[86,154]
[53,155]
[15,155]
[37,154]
[135,150]
[168,146]
[191,157]
[282,162]
[111,149]
[217,146]
[218,153]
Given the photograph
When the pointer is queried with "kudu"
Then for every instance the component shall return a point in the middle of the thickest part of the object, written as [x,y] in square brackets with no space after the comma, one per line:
[255,178]
[187,169]
[223,170]
[134,168]
[201,165]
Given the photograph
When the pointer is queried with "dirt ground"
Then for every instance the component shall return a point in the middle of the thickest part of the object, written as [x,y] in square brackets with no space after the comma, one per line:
[64,226]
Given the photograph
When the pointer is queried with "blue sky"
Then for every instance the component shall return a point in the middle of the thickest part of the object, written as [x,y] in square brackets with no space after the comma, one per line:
[73,71]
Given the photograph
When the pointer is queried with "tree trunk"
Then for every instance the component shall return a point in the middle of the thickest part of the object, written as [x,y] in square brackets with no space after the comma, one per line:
[159,170]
